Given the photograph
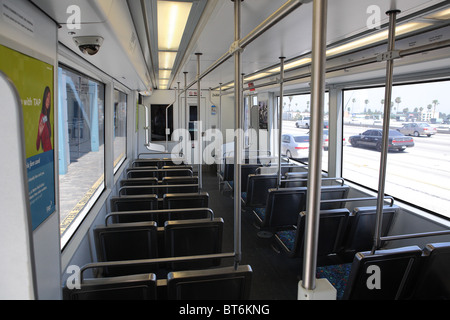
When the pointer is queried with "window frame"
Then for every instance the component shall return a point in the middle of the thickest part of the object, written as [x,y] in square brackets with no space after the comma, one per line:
[372,85]
[72,228]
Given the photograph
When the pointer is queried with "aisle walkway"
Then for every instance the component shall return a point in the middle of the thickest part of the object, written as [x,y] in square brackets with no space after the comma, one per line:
[275,277]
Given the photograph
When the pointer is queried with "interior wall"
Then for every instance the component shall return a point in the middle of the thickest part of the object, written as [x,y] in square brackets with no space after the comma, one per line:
[36,36]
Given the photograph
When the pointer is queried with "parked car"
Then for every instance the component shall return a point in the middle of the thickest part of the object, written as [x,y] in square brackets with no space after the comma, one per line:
[295,146]
[374,138]
[325,139]
[417,129]
[303,122]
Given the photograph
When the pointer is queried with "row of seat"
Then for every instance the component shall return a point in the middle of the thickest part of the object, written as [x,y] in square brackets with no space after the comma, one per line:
[139,232]
[226,283]
[144,240]
[341,233]
[153,202]
[406,273]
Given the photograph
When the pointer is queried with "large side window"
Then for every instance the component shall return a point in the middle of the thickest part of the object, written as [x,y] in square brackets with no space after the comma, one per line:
[81,146]
[418,160]
[120,128]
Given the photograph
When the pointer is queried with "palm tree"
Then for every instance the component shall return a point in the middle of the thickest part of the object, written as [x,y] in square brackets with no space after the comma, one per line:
[398,100]
[435,102]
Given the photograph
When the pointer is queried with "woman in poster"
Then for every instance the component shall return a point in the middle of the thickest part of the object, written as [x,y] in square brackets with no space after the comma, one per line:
[45,129]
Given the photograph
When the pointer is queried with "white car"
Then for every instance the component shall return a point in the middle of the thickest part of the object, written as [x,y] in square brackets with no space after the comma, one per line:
[417,128]
[295,146]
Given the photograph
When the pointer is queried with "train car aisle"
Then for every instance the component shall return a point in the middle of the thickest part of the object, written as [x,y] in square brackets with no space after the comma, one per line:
[275,276]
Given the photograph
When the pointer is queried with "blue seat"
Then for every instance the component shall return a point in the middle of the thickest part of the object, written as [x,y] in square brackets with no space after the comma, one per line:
[397,273]
[332,227]
[285,204]
[361,229]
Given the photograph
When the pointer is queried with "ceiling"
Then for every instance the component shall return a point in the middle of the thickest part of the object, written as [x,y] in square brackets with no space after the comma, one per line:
[130,32]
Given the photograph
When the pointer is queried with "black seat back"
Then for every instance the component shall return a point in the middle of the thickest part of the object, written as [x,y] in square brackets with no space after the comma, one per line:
[332,228]
[142,173]
[283,207]
[246,170]
[159,190]
[128,241]
[285,204]
[212,284]
[159,216]
[257,189]
[134,203]
[433,281]
[139,182]
[384,275]
[296,176]
[176,172]
[362,225]
[333,193]
[193,237]
[186,200]
[134,287]
[180,180]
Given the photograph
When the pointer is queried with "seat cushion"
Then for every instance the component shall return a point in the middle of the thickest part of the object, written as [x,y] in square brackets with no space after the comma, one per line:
[337,275]
[287,237]
[261,212]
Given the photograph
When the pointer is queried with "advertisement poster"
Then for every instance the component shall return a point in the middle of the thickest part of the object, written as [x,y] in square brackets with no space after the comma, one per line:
[34,82]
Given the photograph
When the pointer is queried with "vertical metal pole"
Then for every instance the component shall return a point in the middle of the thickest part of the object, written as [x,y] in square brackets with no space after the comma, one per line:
[199,127]
[187,147]
[316,142]
[180,119]
[238,145]
[280,119]
[220,109]
[386,122]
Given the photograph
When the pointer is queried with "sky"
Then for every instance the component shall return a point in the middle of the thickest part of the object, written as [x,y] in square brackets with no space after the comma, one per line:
[412,96]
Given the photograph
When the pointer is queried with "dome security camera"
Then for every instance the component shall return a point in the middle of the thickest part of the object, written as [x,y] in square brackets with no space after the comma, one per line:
[89,44]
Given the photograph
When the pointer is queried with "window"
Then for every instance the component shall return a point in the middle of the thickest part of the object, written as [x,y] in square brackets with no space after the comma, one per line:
[81,145]
[419,174]
[298,107]
[120,128]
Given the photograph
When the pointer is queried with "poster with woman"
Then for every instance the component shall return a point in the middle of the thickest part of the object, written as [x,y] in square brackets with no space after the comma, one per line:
[36,93]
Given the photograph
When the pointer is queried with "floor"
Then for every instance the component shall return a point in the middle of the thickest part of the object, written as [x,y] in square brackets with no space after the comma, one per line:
[275,276]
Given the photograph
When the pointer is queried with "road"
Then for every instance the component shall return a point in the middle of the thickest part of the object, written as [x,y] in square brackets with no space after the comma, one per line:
[419,175]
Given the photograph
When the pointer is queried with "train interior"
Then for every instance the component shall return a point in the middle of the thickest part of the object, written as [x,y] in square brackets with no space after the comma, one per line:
[115,49]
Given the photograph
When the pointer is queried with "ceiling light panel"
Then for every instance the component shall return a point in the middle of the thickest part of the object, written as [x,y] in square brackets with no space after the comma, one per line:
[166,59]
[172,19]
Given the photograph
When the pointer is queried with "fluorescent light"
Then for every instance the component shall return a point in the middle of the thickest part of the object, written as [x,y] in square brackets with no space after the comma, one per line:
[164,74]
[172,19]
[163,84]
[257,76]
[291,65]
[440,15]
[166,59]
[380,36]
